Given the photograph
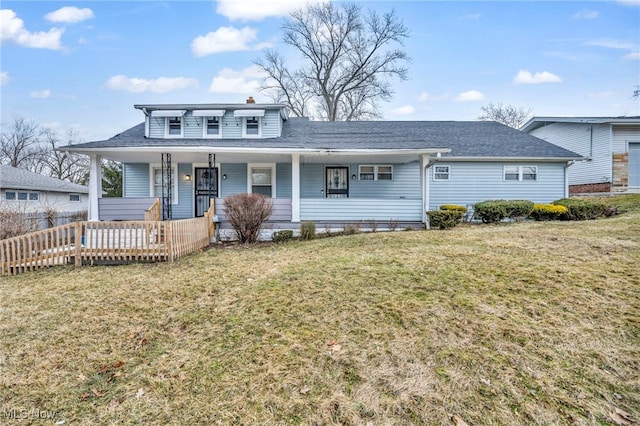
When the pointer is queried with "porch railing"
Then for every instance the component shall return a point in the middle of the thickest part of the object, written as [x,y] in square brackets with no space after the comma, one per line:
[153,212]
[86,243]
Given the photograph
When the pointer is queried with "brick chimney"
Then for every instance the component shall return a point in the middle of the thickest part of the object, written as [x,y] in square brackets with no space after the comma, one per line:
[250,100]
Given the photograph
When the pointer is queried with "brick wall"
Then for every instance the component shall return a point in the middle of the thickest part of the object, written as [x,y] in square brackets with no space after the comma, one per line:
[590,188]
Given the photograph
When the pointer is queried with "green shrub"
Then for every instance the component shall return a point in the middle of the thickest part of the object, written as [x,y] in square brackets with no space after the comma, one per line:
[491,211]
[307,231]
[548,212]
[582,209]
[282,236]
[454,207]
[444,219]
[519,209]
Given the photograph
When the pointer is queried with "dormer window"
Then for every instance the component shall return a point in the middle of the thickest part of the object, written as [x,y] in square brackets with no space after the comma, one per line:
[174,126]
[251,121]
[252,127]
[212,127]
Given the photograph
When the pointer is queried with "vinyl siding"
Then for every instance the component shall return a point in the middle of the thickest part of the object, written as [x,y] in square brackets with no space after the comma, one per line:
[184,209]
[405,183]
[136,179]
[236,182]
[622,135]
[283,180]
[231,127]
[131,208]
[471,182]
[577,137]
[360,209]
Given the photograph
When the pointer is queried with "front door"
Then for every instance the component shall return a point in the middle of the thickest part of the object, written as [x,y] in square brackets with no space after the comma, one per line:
[206,187]
[337,182]
[634,165]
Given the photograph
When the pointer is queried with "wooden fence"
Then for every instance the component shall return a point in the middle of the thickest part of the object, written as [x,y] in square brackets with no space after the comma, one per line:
[88,243]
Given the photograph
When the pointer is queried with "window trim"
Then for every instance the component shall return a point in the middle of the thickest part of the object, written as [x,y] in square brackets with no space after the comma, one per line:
[244,127]
[75,201]
[520,170]
[152,182]
[436,173]
[376,172]
[205,126]
[251,166]
[15,195]
[29,195]
[166,127]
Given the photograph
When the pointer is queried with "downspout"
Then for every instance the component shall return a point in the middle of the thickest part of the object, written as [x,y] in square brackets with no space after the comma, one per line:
[146,122]
[591,141]
[566,178]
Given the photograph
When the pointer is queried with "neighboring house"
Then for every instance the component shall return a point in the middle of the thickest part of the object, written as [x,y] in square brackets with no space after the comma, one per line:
[25,191]
[326,172]
[611,145]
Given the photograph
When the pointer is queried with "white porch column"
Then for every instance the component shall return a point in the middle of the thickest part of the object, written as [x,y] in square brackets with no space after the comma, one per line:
[424,178]
[295,187]
[95,185]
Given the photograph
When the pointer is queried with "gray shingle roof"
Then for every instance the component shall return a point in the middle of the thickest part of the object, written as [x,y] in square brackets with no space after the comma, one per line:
[14,178]
[482,139]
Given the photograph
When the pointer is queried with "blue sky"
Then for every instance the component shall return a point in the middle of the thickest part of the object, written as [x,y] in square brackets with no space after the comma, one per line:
[83,65]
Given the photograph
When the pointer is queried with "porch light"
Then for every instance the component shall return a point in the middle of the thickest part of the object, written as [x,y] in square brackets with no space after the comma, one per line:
[353,176]
[187,178]
[224,176]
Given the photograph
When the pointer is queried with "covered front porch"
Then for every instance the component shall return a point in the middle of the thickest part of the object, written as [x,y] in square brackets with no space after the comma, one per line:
[332,187]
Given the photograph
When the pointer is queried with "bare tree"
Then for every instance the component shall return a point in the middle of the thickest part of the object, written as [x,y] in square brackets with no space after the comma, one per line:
[20,143]
[63,165]
[508,115]
[349,60]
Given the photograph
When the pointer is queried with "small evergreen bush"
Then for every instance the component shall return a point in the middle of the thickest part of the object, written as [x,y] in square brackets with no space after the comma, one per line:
[519,209]
[491,211]
[543,212]
[582,209]
[307,231]
[282,236]
[444,219]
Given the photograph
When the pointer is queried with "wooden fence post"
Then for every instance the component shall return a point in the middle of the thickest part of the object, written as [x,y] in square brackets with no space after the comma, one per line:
[78,242]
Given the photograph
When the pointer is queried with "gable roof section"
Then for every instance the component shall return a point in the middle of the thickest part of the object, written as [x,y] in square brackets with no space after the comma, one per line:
[537,122]
[14,178]
[464,139]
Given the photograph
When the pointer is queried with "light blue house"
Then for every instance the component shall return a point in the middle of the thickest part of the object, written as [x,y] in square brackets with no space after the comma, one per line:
[332,173]
[611,146]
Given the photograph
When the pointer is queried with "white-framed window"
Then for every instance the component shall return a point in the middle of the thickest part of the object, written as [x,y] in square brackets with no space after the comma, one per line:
[520,173]
[375,172]
[21,196]
[262,179]
[212,127]
[441,172]
[252,127]
[156,182]
[173,127]
[74,198]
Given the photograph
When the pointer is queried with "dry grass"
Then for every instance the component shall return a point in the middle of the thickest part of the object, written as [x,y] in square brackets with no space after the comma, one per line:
[526,323]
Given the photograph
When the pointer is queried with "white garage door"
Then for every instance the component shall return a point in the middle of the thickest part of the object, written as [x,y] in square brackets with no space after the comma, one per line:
[634,165]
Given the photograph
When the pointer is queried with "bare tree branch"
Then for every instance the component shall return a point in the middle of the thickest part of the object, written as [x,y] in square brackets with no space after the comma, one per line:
[508,115]
[349,61]
[20,143]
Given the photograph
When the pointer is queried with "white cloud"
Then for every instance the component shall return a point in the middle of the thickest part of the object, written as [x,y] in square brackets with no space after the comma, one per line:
[632,55]
[472,16]
[426,96]
[601,95]
[243,81]
[404,110]
[526,77]
[470,96]
[12,29]
[40,94]
[70,14]
[256,10]
[159,85]
[224,39]
[586,14]
[4,78]
[611,44]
